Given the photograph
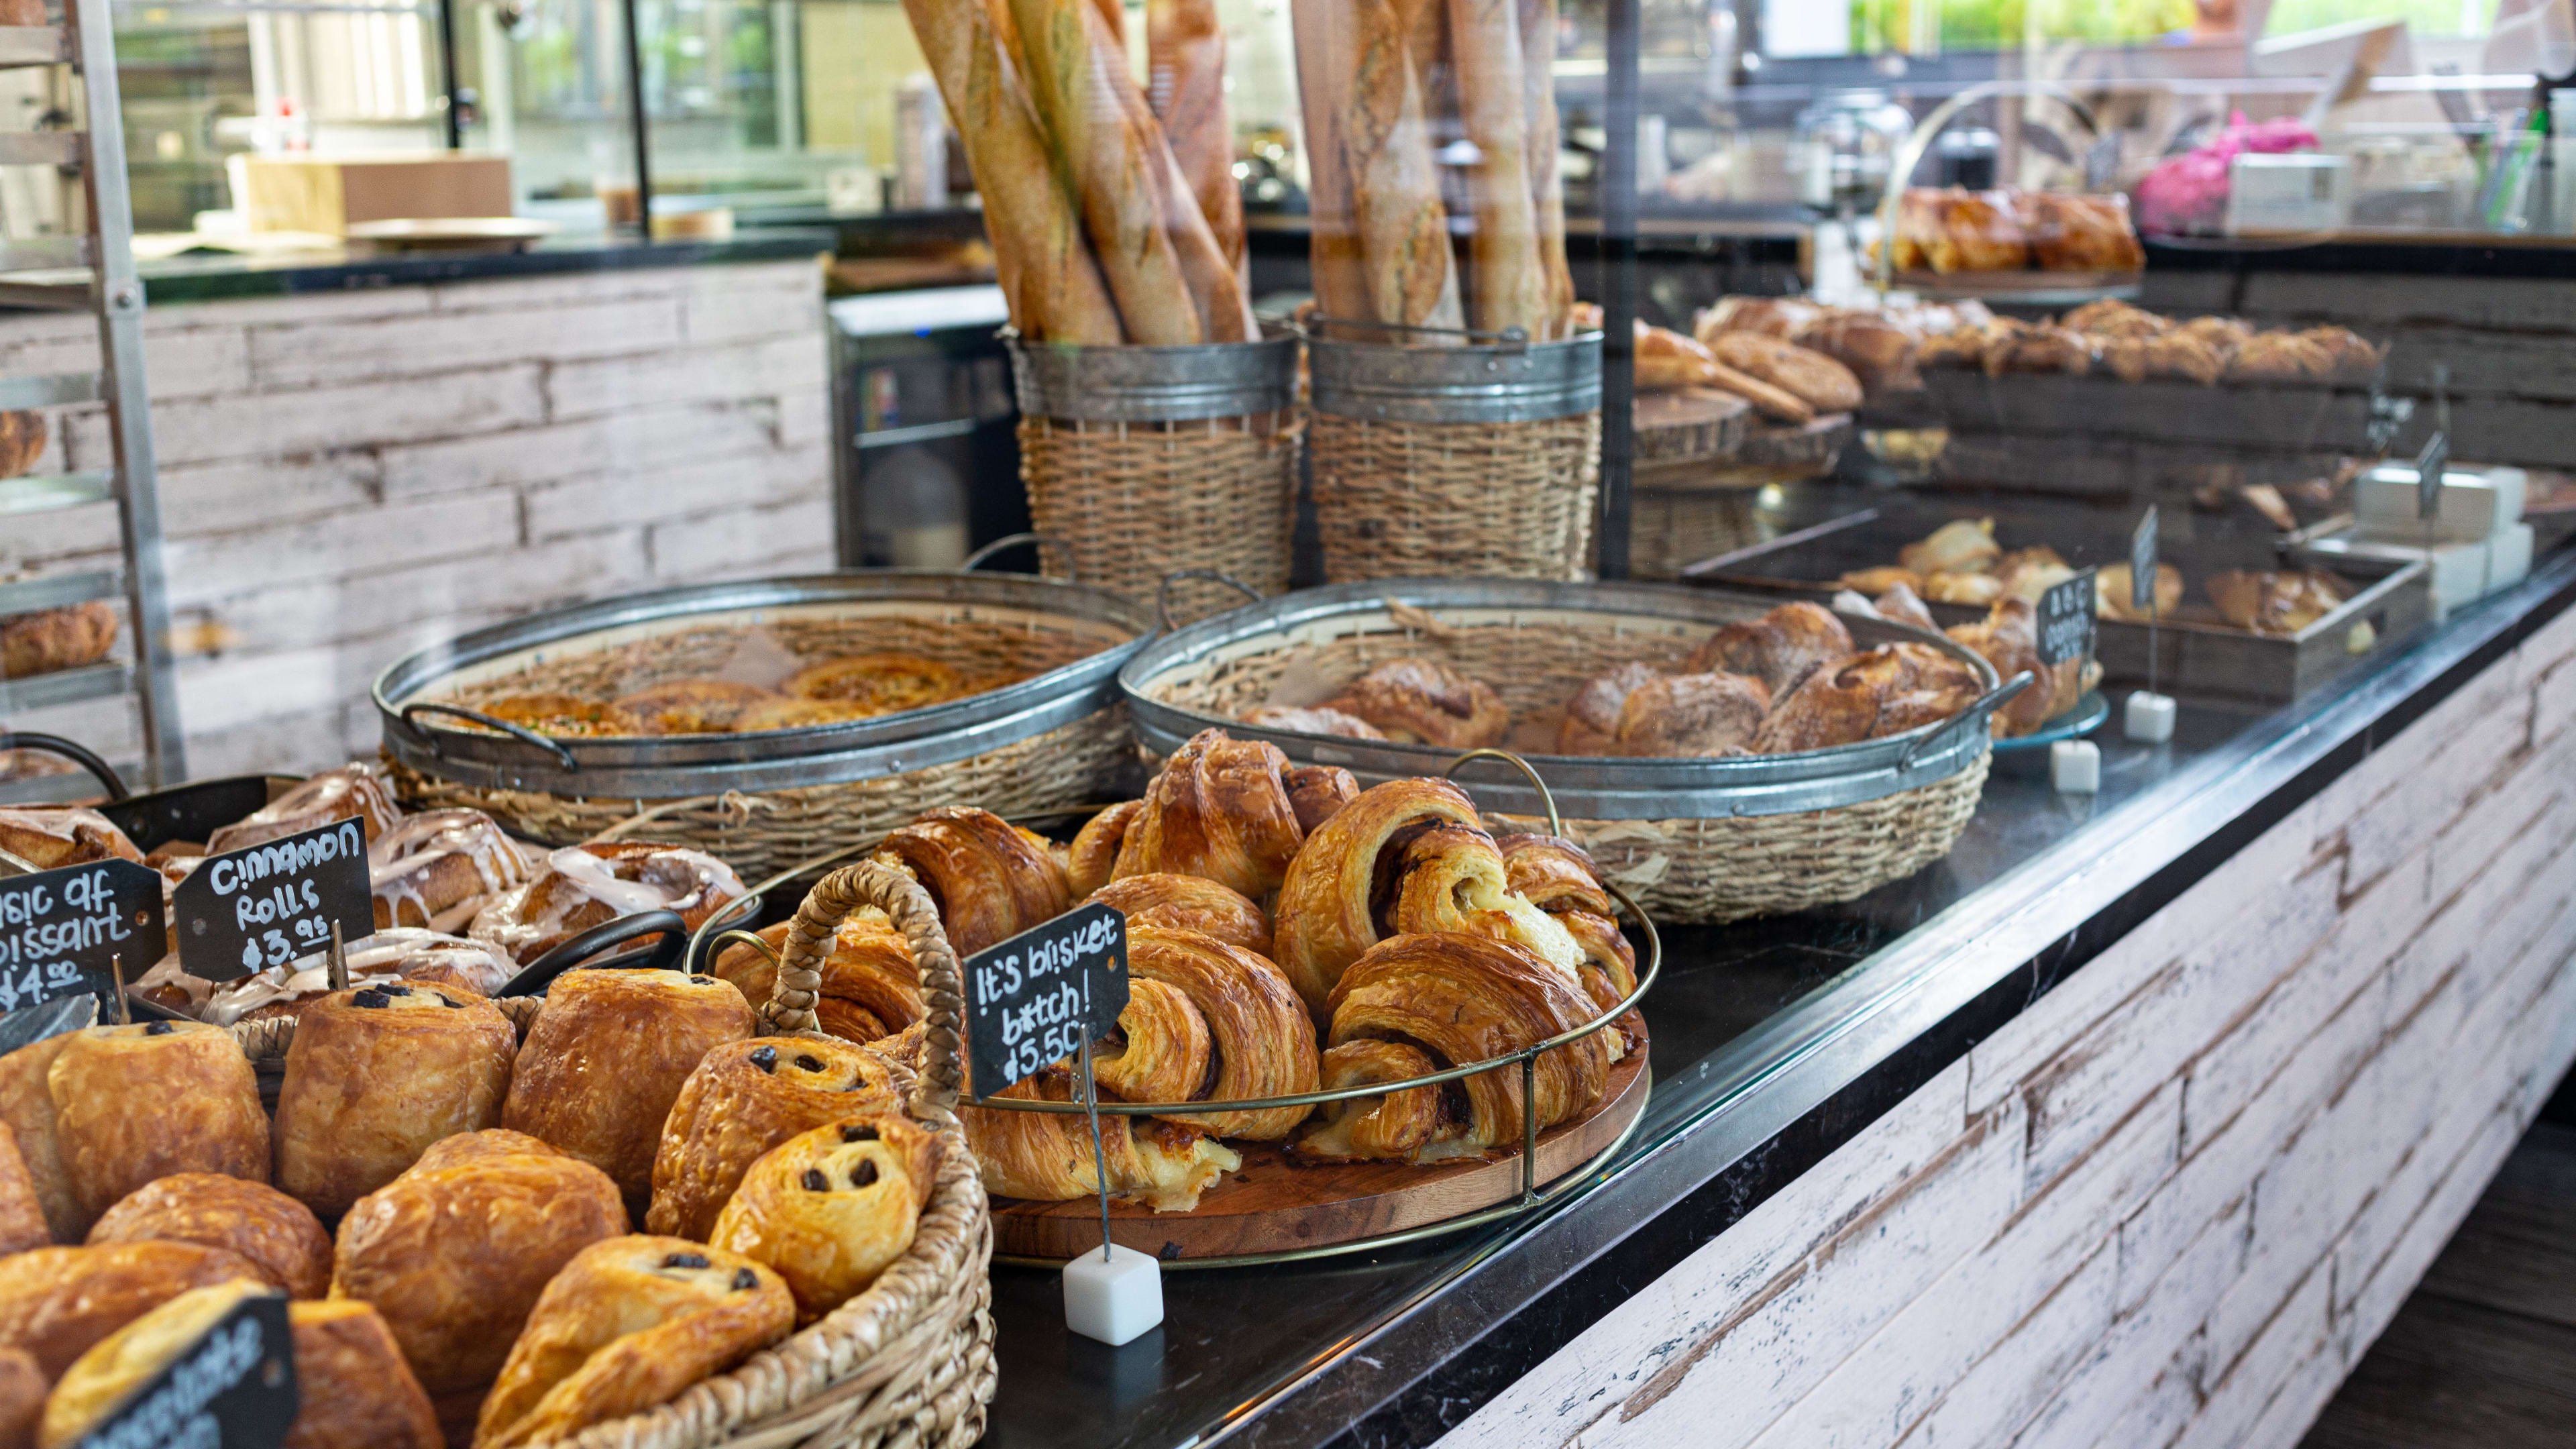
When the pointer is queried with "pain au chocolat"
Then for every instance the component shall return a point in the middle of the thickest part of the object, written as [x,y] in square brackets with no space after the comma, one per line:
[377,1074]
[205,1114]
[829,1209]
[745,1098]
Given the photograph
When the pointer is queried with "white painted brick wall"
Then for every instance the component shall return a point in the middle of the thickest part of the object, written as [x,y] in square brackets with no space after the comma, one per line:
[2173,1202]
[347,477]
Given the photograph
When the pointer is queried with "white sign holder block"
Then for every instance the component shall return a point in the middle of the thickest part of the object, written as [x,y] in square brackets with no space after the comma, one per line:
[2075,767]
[2150,717]
[1114,1295]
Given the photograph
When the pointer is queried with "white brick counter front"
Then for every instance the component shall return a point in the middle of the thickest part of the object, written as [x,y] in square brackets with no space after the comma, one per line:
[2173,1201]
[348,476]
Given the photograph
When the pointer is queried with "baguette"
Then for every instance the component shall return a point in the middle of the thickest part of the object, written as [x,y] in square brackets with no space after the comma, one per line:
[1395,194]
[1332,235]
[1185,61]
[1113,13]
[1777,404]
[1511,283]
[1078,74]
[1547,184]
[1053,287]
[1217,289]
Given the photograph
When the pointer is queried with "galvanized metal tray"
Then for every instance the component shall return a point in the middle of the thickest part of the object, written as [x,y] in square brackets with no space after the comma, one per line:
[2195,652]
[665,767]
[1585,787]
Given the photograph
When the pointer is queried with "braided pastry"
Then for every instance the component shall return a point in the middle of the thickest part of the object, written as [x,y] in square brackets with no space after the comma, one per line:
[1231,811]
[1459,999]
[990,879]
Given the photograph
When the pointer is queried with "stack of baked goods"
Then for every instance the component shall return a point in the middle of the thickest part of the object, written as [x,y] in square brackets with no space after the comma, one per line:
[48,640]
[1788,681]
[2115,339]
[831,690]
[1876,343]
[1786,383]
[486,1241]
[1389,91]
[1952,230]
[1112,209]
[1288,932]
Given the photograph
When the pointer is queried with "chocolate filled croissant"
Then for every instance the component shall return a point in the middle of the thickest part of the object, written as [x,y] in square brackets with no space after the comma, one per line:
[272,1231]
[1691,716]
[22,1212]
[351,790]
[1560,878]
[356,1391]
[1226,1027]
[437,869]
[205,1114]
[607,1058]
[745,1098]
[1390,1126]
[1452,878]
[1423,701]
[990,879]
[627,1326]
[830,1209]
[1232,811]
[27,1110]
[1189,903]
[377,1074]
[1778,648]
[1882,691]
[1046,1157]
[1462,999]
[56,1302]
[871,987]
[455,1251]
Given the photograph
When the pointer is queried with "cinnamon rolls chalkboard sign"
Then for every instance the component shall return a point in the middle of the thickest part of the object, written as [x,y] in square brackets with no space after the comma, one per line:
[267,904]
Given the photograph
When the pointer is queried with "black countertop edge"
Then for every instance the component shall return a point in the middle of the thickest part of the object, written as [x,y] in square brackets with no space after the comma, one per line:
[224,278]
[2550,258]
[1821,1071]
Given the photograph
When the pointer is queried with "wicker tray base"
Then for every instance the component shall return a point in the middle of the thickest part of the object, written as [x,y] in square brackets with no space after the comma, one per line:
[761,834]
[1135,501]
[1492,500]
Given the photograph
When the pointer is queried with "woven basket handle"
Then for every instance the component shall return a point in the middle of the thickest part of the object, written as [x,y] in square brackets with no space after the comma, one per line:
[800,976]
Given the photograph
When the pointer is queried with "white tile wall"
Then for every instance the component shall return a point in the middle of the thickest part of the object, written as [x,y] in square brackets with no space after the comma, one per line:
[346,477]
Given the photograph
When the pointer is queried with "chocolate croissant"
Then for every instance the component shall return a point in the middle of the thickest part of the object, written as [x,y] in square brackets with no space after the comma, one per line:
[990,879]
[830,1209]
[871,987]
[1463,999]
[1386,1127]
[118,1366]
[1560,877]
[56,1302]
[377,1074]
[204,1116]
[1046,1156]
[745,1098]
[356,1391]
[1225,1025]
[1232,811]
[628,1325]
[1778,648]
[1423,701]
[1189,903]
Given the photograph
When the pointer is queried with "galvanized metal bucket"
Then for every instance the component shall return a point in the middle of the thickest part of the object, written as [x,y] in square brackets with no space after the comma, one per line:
[1154,384]
[1503,382]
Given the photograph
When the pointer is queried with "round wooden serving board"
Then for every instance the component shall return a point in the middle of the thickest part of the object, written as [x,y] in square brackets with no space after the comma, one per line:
[1276,1204]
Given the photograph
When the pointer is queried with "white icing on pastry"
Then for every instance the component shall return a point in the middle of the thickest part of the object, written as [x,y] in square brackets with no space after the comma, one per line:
[353,789]
[397,954]
[400,859]
[674,880]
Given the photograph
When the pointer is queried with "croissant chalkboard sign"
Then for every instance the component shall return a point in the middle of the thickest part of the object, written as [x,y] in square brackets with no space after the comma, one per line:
[1033,1000]
[60,930]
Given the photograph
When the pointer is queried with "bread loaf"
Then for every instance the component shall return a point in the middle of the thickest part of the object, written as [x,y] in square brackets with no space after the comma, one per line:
[1402,227]
[1333,241]
[1185,74]
[1511,288]
[1547,185]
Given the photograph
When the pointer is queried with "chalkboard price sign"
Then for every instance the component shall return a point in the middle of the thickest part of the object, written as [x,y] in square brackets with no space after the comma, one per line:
[2066,620]
[264,905]
[1036,998]
[61,929]
[233,1389]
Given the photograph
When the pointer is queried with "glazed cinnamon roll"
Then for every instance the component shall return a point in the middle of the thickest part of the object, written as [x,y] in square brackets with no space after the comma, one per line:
[1423,701]
[1189,903]
[1460,999]
[870,990]
[50,839]
[352,790]
[397,955]
[435,870]
[990,879]
[581,886]
[1226,1027]
[1232,811]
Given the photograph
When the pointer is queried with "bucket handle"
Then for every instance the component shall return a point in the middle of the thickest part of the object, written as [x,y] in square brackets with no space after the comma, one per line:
[1515,337]
[1974,715]
[1546,797]
[1043,541]
[1163,591]
[520,733]
[79,754]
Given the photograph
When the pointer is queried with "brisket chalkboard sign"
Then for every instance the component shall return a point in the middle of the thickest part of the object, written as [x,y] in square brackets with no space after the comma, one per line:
[1036,998]
[267,904]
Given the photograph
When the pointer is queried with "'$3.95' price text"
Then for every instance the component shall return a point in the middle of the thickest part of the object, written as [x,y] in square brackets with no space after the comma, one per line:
[295,907]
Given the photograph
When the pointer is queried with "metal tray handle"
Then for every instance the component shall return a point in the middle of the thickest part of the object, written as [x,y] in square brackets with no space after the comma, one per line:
[1163,591]
[665,955]
[1546,797]
[79,754]
[520,733]
[1042,541]
[1974,715]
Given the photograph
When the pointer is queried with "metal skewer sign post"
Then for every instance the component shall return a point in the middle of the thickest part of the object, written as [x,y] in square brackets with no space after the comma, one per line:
[2150,715]
[1042,996]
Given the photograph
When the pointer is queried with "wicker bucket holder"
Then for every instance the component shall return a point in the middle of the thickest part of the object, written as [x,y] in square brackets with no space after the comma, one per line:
[1687,870]
[1674,529]
[764,833]
[908,1364]
[1134,501]
[1397,499]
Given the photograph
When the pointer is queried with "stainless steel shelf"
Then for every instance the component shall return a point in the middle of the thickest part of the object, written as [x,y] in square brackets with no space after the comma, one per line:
[53,390]
[64,686]
[25,596]
[44,492]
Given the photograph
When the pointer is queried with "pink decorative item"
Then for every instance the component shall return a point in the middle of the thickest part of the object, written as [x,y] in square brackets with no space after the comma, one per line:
[2188,193]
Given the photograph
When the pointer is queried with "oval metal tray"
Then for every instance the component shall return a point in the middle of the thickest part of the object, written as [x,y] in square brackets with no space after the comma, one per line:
[669,766]
[1585,787]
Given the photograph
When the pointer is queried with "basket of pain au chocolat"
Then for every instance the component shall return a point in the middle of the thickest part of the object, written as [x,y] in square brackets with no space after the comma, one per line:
[654,1211]
[1288,933]
[1716,756]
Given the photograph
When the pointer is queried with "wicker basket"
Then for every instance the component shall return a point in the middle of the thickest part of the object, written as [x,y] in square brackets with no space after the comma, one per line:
[1145,460]
[1761,836]
[762,801]
[1673,530]
[908,1364]
[1456,461]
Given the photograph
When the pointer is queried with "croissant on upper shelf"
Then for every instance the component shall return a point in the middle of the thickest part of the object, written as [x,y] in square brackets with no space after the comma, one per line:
[2112,337]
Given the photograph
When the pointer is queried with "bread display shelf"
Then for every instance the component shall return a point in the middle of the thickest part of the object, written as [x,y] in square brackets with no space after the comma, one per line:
[2025,288]
[1768,453]
[2300,417]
